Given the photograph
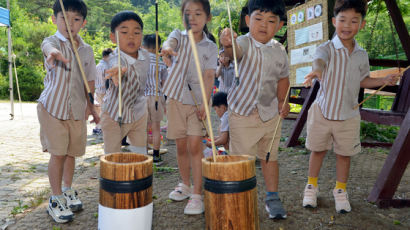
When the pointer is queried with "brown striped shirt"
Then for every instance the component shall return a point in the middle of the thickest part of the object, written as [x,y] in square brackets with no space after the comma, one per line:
[340,85]
[260,69]
[183,70]
[150,87]
[64,88]
[134,103]
[227,78]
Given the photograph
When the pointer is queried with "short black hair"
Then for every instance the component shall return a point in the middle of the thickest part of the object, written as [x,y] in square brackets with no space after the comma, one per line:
[149,41]
[360,6]
[71,5]
[276,7]
[125,16]
[220,98]
[106,52]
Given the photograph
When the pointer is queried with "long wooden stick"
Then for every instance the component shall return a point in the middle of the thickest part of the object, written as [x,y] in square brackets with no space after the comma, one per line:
[378,90]
[156,56]
[197,107]
[117,38]
[90,95]
[277,126]
[201,82]
[233,44]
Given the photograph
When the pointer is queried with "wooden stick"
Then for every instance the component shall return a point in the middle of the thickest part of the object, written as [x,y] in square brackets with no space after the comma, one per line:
[117,38]
[277,126]
[156,56]
[90,95]
[201,82]
[197,107]
[233,44]
[378,90]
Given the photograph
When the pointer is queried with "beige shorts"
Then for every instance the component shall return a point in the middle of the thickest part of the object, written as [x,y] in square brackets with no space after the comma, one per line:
[113,133]
[61,137]
[251,136]
[183,120]
[322,133]
[153,114]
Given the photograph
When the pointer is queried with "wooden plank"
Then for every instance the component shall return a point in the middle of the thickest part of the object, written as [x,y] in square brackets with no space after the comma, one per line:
[302,117]
[382,117]
[402,101]
[394,166]
[388,62]
[401,28]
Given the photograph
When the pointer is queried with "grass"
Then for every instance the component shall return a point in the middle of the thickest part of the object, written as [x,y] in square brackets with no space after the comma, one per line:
[20,208]
[382,133]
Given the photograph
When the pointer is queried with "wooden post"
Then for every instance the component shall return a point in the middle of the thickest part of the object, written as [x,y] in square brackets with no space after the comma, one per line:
[302,117]
[393,170]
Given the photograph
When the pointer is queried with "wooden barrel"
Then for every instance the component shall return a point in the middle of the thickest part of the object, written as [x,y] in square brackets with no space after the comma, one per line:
[125,191]
[230,192]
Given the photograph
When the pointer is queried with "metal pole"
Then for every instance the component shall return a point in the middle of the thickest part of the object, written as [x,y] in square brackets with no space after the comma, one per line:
[10,68]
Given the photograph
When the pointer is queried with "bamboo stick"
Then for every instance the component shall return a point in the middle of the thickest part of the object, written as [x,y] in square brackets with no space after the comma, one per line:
[277,126]
[156,56]
[378,90]
[233,44]
[117,38]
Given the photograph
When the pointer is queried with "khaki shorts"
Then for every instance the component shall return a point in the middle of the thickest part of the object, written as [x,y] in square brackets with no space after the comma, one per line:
[183,120]
[251,136]
[153,114]
[322,133]
[113,133]
[61,137]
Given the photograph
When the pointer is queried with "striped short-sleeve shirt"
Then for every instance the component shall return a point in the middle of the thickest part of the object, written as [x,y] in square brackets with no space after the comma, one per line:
[260,69]
[183,70]
[63,85]
[150,87]
[100,78]
[134,103]
[227,78]
[340,84]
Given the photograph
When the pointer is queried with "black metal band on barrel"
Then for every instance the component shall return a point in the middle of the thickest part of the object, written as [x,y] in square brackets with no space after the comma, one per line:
[125,186]
[222,187]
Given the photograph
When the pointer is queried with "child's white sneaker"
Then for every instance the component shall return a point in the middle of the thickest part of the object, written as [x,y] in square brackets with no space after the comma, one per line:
[181,192]
[73,202]
[58,210]
[195,205]
[310,196]
[341,201]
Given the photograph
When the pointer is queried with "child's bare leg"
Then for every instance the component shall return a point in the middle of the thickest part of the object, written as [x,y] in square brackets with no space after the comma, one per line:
[342,168]
[68,172]
[55,173]
[315,163]
[156,134]
[183,160]
[270,171]
[194,148]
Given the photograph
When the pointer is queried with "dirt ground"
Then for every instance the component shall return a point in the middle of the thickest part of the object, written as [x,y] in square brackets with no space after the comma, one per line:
[293,173]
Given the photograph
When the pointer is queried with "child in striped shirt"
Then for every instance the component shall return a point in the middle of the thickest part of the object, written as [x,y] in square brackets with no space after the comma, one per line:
[225,72]
[182,89]
[256,103]
[342,67]
[155,113]
[63,106]
[135,64]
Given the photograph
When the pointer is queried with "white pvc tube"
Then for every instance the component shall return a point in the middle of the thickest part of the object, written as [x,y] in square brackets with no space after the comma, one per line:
[125,219]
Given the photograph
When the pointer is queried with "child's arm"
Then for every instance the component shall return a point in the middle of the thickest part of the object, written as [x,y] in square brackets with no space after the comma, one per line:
[90,110]
[220,140]
[226,41]
[317,68]
[52,54]
[375,82]
[283,105]
[219,70]
[208,78]
[168,50]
